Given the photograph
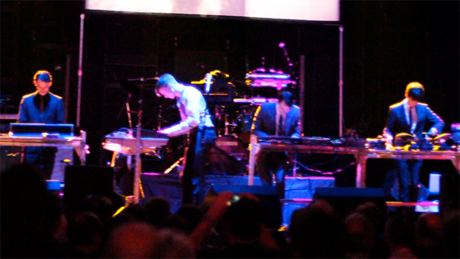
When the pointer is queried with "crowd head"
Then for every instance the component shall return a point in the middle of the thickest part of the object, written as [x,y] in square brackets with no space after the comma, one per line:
[35,225]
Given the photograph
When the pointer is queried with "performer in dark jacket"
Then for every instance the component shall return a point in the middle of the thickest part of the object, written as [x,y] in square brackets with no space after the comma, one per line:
[41,107]
[276,119]
[411,116]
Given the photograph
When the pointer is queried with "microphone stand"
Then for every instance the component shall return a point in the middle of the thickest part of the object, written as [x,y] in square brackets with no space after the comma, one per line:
[128,111]
[160,117]
[138,147]
[129,159]
[282,45]
[137,170]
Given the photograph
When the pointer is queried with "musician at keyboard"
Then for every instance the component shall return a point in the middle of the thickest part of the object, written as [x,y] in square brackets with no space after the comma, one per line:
[411,116]
[276,119]
[195,121]
[42,106]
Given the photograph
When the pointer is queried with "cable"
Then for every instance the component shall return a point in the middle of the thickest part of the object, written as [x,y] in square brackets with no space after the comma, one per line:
[330,161]
[324,173]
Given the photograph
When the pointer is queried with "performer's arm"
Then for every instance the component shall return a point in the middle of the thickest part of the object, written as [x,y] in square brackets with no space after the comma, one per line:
[215,212]
[388,130]
[60,116]
[258,123]
[297,132]
[23,112]
[192,111]
[438,123]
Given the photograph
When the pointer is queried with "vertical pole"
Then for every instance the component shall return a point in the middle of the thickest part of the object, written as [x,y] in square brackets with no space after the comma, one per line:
[67,86]
[302,92]
[80,69]
[137,168]
[341,82]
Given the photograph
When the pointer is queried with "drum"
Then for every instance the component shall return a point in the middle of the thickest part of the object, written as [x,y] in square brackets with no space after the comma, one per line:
[244,122]
[228,156]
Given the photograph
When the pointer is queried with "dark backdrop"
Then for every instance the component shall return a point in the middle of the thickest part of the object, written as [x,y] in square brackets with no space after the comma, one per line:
[386,45]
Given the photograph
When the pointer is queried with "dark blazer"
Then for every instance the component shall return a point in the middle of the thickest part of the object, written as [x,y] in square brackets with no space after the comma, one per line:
[53,113]
[264,122]
[397,122]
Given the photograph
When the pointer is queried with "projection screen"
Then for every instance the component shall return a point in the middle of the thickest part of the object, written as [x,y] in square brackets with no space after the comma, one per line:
[305,10]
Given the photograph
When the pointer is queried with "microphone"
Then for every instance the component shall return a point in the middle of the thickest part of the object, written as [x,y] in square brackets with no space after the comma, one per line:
[207,84]
[283,47]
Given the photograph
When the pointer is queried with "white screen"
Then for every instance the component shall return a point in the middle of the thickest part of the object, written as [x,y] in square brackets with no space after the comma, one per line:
[309,10]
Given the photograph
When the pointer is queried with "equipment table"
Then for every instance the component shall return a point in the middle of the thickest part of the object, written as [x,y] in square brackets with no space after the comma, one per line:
[78,143]
[360,153]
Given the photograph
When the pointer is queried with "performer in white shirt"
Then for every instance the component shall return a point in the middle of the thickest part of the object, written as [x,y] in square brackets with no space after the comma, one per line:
[195,121]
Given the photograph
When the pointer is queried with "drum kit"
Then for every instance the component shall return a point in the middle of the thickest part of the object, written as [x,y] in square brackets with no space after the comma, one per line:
[233,110]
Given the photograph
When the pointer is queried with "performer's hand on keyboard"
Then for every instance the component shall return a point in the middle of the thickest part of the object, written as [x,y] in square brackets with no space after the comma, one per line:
[165,132]
[433,132]
[388,139]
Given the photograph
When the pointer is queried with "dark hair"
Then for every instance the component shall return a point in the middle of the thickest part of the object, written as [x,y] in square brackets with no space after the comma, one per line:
[43,75]
[415,90]
[83,228]
[316,233]
[399,228]
[243,219]
[287,97]
[157,210]
[24,208]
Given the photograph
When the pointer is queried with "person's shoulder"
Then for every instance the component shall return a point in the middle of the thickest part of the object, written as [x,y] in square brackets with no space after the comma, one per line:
[191,88]
[422,104]
[55,96]
[397,105]
[191,91]
[268,105]
[27,99]
[28,96]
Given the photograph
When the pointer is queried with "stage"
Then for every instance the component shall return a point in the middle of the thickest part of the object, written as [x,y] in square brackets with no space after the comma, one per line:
[299,192]
[297,188]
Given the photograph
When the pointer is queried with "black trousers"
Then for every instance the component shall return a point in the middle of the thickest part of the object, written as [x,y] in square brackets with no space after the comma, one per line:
[408,172]
[42,159]
[272,163]
[193,185]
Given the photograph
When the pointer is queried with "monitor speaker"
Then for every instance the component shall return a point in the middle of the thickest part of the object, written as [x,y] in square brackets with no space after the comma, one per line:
[84,181]
[345,200]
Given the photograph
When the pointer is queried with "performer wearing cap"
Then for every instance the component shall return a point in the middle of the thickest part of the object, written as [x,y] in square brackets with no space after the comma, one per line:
[195,121]
[41,107]
[410,116]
